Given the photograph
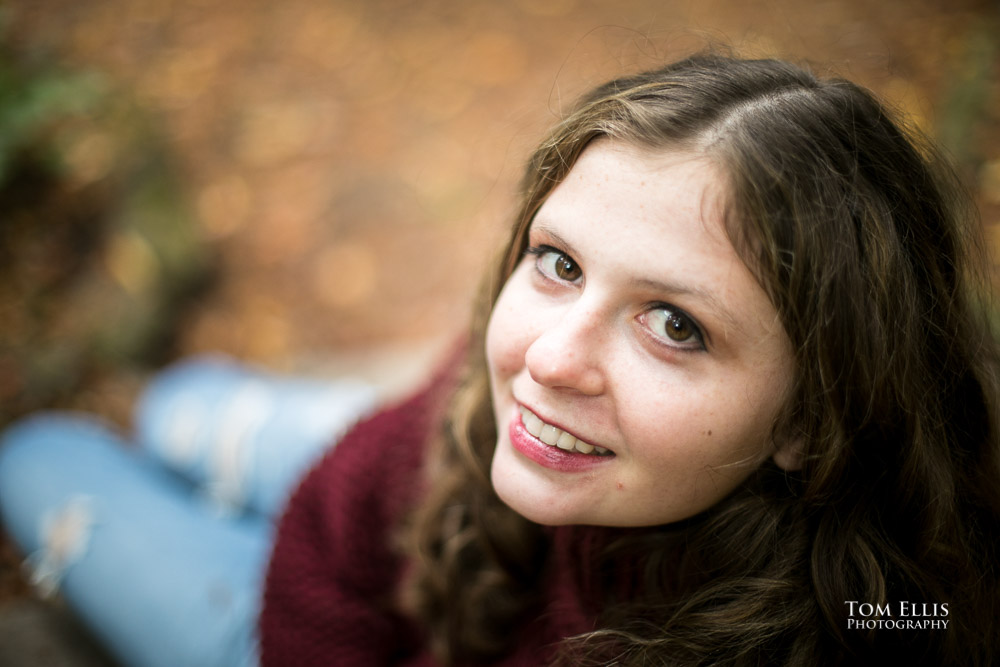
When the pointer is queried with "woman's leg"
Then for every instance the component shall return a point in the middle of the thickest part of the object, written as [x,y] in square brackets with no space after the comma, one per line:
[245,436]
[160,580]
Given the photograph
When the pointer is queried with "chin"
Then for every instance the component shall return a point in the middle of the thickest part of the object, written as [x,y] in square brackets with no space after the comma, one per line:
[519,489]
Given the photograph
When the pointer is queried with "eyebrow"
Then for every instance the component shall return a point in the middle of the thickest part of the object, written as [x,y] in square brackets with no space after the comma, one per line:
[679,289]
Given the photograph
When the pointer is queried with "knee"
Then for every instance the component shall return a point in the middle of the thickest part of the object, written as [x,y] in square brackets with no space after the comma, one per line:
[41,461]
[42,446]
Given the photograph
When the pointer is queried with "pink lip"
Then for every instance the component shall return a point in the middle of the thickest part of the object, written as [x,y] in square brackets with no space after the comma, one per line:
[548,456]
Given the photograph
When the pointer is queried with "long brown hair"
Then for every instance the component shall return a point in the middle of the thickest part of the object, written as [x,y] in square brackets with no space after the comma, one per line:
[864,243]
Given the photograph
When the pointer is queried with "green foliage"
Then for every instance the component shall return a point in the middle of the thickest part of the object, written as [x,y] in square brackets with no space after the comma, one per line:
[34,103]
[966,102]
[99,252]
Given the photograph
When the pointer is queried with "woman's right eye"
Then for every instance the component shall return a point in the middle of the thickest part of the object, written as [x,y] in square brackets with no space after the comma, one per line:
[555,264]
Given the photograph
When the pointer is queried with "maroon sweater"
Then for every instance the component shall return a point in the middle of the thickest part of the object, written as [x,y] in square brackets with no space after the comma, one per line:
[333,576]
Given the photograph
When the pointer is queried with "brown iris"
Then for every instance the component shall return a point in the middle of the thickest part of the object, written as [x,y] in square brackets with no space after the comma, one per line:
[678,328]
[566,268]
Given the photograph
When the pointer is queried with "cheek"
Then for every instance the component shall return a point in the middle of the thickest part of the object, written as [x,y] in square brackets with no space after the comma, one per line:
[702,428]
[505,340]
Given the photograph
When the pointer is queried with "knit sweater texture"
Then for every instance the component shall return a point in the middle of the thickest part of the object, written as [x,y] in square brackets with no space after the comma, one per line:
[334,574]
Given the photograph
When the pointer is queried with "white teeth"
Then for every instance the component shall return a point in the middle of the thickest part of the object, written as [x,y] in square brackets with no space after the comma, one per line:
[556,437]
[533,424]
[568,442]
[549,434]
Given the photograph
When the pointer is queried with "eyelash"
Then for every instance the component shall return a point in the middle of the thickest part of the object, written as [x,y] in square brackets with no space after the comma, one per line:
[695,341]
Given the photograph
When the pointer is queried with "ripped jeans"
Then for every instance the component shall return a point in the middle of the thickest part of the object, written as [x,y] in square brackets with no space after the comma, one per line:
[161,544]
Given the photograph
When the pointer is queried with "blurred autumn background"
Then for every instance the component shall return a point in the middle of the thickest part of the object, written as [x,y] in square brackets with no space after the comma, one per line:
[305,182]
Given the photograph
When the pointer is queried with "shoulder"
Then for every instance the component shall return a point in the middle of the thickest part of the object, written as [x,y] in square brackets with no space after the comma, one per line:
[363,484]
[375,465]
[333,569]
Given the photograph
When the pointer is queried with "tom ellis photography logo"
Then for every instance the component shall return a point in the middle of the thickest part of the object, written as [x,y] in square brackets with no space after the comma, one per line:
[902,615]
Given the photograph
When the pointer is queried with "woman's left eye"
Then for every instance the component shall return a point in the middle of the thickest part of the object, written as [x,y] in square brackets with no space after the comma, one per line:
[675,326]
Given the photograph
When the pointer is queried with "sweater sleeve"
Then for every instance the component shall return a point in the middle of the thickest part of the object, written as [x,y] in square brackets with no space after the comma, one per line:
[328,596]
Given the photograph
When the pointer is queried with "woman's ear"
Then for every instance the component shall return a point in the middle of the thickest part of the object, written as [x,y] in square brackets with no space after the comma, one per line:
[788,456]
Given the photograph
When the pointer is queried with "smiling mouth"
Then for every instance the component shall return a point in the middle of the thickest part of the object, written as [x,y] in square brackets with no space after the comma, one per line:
[556,437]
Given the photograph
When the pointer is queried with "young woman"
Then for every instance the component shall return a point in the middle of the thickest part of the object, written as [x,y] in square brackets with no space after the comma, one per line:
[730,399]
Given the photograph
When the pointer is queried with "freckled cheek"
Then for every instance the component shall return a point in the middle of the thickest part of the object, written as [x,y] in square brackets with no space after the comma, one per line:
[509,334]
[504,346]
[699,437]
[689,427]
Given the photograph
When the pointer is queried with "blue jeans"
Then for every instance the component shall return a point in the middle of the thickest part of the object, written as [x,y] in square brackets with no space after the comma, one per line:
[161,544]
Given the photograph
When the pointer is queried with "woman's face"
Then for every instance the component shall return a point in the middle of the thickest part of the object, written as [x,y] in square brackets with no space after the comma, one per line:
[637,367]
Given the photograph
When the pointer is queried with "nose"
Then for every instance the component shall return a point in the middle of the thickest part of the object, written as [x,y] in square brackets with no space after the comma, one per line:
[566,354]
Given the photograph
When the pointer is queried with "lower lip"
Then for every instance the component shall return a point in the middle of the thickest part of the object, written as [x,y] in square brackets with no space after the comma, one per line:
[549,456]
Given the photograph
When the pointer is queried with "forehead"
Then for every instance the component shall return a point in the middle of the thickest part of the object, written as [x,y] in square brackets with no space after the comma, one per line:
[652,203]
[622,181]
